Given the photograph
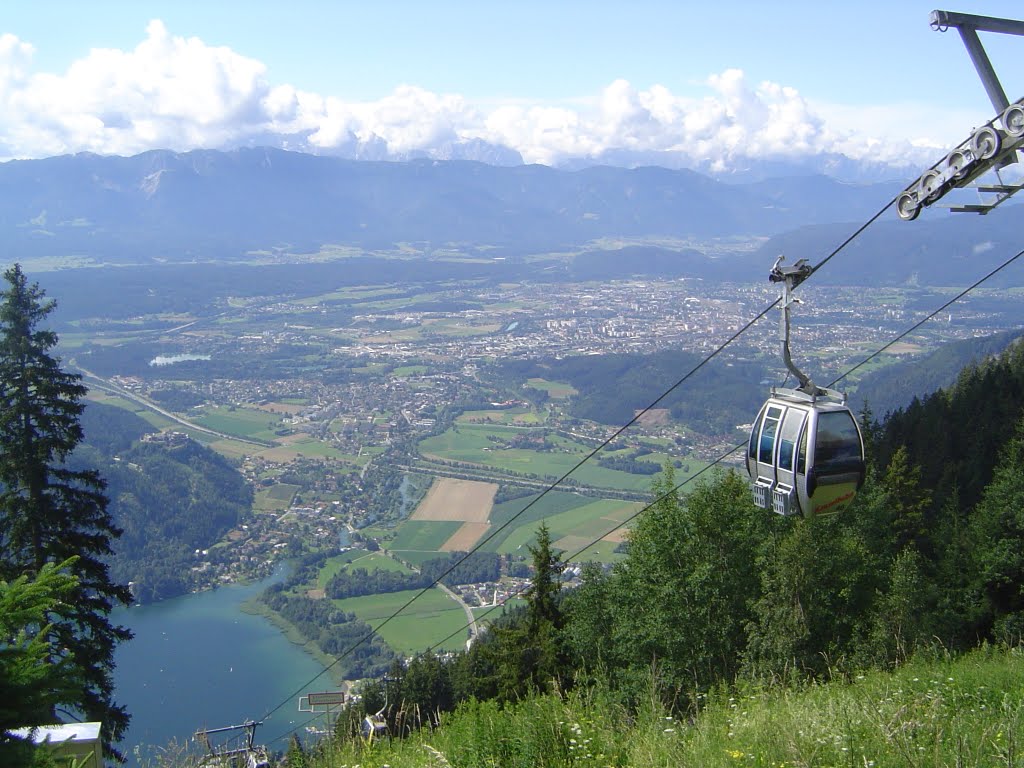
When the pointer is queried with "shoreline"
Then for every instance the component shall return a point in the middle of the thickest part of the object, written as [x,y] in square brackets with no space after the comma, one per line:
[255,607]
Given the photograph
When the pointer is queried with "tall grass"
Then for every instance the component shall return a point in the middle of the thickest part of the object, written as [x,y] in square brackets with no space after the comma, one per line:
[938,711]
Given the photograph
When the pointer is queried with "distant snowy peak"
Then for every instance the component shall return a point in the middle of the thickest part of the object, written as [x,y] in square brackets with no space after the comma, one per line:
[737,169]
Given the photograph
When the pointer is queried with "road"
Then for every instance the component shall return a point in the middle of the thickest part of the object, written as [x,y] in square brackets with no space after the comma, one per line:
[470,618]
[490,475]
[97,382]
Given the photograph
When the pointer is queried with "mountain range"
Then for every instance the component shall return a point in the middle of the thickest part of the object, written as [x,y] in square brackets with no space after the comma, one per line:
[210,205]
[270,205]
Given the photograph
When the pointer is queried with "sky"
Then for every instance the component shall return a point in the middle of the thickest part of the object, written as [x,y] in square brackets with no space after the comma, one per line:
[553,80]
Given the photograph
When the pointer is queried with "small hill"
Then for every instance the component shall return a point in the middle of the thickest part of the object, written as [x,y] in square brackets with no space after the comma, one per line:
[894,387]
[169,500]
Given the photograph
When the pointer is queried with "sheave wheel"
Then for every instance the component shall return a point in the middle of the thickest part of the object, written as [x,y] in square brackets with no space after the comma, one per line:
[907,207]
[985,143]
[957,162]
[930,186]
[1013,120]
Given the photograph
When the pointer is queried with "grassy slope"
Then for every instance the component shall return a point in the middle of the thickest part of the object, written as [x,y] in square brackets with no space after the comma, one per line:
[968,711]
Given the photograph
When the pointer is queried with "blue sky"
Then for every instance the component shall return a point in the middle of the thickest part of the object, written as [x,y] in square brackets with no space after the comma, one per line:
[551,79]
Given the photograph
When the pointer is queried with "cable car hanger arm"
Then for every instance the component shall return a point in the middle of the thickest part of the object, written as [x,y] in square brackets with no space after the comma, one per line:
[791,276]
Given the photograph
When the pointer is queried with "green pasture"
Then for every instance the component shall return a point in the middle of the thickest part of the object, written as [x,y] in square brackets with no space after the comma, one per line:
[232,449]
[519,514]
[245,422]
[602,552]
[403,371]
[370,368]
[427,621]
[467,442]
[312,448]
[378,532]
[574,528]
[157,420]
[335,564]
[487,613]
[427,535]
[399,303]
[377,561]
[276,497]
[283,491]
[358,558]
[518,416]
[417,557]
[557,390]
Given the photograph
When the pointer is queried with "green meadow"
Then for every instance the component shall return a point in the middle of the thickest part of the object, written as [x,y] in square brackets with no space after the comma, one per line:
[471,443]
[427,622]
[245,422]
[423,535]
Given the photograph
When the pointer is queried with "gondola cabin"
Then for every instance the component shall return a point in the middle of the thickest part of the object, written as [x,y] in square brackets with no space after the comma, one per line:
[805,455]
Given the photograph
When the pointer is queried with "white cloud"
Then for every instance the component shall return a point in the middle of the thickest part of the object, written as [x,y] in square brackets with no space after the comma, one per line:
[180,93]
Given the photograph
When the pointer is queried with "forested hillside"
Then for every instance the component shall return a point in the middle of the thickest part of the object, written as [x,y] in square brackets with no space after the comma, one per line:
[169,500]
[894,387]
[714,591]
[611,388]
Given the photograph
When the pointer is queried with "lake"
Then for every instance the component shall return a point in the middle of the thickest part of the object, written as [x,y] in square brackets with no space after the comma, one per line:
[161,360]
[199,661]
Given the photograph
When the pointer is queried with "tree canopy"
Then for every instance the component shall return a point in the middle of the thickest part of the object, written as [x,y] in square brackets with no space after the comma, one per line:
[51,513]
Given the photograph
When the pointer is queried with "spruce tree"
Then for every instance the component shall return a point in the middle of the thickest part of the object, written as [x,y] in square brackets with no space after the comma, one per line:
[30,685]
[544,651]
[50,512]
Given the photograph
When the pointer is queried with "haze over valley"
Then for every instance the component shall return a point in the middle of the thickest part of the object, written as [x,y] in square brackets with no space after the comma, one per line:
[447,383]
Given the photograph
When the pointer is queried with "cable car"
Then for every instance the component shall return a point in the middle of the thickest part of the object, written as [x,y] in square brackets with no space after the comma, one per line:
[805,455]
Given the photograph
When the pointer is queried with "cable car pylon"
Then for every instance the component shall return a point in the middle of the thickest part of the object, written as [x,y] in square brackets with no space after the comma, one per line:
[805,455]
[991,147]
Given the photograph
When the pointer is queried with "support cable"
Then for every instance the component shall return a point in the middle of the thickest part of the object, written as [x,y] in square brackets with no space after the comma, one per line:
[735,448]
[640,414]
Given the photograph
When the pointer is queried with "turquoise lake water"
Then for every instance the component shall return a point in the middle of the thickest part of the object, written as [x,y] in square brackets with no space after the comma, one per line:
[199,661]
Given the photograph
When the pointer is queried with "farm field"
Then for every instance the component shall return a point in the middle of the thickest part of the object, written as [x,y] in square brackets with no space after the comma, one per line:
[358,558]
[246,422]
[307,447]
[423,624]
[275,498]
[334,564]
[465,501]
[574,521]
[154,418]
[423,536]
[557,390]
[466,537]
[511,416]
[471,443]
[572,529]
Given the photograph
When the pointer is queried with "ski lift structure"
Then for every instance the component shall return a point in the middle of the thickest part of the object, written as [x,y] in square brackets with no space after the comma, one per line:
[235,747]
[992,147]
[328,703]
[805,455]
[375,726]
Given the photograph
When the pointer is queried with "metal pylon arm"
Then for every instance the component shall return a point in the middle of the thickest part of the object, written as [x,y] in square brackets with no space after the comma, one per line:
[969,25]
[990,147]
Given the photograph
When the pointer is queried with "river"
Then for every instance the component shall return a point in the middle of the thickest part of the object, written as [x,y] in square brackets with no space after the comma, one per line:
[199,661]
